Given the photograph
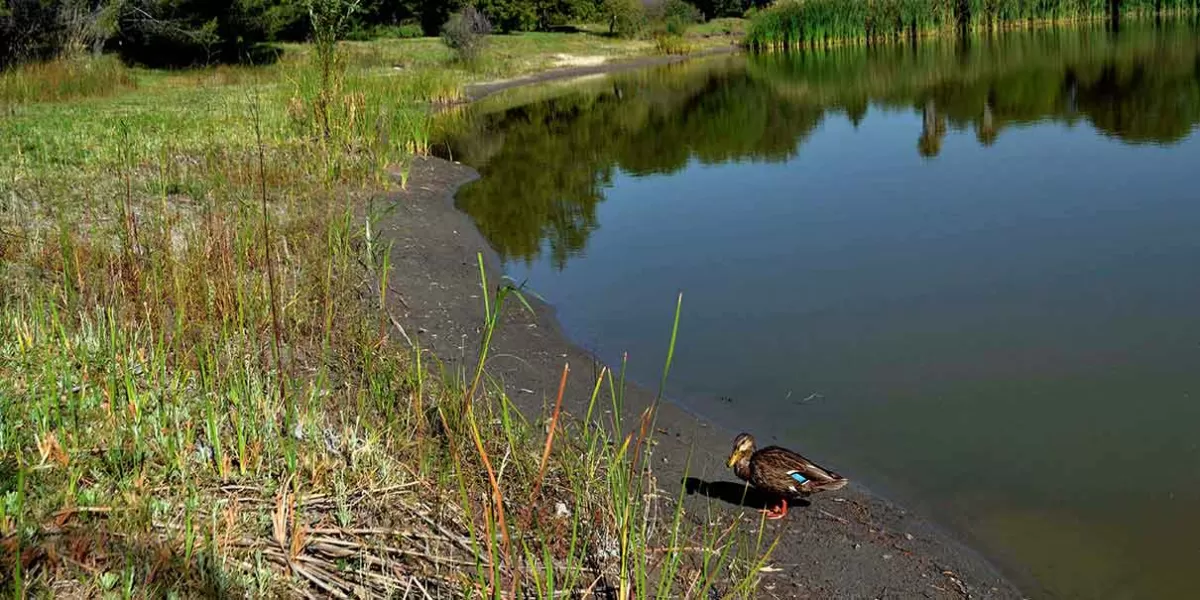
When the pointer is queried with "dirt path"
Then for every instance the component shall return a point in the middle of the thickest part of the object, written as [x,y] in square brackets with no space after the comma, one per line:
[846,544]
[480,90]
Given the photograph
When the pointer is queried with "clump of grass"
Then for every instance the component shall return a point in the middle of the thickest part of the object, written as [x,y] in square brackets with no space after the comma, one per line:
[64,79]
[667,43]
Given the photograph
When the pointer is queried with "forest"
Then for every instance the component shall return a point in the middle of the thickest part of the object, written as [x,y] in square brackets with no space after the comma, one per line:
[181,33]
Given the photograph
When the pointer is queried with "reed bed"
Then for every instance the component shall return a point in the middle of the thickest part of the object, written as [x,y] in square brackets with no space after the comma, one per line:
[801,23]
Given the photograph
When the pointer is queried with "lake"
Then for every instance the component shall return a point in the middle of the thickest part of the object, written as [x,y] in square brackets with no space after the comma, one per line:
[965,273]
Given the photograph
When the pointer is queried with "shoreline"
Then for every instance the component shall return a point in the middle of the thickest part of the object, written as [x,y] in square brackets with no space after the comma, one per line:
[846,544]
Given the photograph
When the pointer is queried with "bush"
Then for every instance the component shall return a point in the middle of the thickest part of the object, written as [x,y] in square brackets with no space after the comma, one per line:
[466,33]
[405,31]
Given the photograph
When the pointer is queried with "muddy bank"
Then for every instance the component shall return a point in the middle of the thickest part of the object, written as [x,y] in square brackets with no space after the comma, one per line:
[846,544]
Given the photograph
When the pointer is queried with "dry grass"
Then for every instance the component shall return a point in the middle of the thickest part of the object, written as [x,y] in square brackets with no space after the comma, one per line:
[64,79]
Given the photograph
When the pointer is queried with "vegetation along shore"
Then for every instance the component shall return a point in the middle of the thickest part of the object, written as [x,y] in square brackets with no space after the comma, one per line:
[248,347]
[800,23]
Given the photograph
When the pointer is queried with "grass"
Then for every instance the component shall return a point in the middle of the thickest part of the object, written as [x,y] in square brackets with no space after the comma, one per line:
[725,26]
[802,23]
[64,80]
[667,43]
[203,390]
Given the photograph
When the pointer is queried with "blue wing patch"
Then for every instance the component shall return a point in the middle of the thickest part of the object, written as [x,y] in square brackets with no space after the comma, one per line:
[798,477]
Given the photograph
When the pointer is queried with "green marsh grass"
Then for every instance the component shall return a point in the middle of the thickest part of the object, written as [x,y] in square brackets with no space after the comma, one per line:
[202,391]
[804,23]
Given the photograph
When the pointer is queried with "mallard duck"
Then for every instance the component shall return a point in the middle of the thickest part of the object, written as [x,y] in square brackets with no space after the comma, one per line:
[781,472]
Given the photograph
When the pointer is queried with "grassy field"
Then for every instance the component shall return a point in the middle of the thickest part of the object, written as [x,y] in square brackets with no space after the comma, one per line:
[202,391]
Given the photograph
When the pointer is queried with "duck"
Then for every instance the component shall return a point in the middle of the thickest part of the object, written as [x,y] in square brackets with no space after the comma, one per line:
[780,472]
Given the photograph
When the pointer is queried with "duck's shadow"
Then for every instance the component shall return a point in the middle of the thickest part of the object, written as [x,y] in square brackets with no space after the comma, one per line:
[737,494]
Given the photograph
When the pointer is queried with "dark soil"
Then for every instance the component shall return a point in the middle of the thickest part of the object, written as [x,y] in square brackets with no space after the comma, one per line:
[845,544]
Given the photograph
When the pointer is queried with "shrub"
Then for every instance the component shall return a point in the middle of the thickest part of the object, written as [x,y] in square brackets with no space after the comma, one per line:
[466,33]
[406,31]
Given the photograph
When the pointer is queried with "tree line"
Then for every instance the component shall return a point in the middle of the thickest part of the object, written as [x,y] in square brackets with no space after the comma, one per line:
[189,32]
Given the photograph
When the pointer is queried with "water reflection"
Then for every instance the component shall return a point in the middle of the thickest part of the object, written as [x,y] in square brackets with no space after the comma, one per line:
[545,165]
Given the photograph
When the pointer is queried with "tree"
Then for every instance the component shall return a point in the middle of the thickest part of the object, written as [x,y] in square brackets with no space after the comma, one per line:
[510,15]
[552,13]
[434,13]
[179,33]
[713,9]
[528,15]
[29,30]
[626,18]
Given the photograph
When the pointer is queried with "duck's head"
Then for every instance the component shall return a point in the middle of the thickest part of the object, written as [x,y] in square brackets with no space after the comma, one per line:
[743,447]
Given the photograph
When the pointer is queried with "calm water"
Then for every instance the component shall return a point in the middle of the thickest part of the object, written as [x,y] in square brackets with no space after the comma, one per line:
[968,275]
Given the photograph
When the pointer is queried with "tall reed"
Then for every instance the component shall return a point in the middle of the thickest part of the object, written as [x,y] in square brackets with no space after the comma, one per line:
[801,23]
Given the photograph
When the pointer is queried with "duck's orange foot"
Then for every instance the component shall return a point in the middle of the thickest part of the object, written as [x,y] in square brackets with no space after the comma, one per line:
[777,512]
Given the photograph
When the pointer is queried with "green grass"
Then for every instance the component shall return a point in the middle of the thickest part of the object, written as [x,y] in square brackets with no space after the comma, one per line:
[726,26]
[802,23]
[202,392]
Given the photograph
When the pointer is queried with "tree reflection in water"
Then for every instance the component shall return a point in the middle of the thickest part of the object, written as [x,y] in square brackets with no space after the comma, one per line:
[545,164]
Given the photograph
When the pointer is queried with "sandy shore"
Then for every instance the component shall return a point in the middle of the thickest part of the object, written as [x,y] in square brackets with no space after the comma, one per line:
[846,544]
[480,90]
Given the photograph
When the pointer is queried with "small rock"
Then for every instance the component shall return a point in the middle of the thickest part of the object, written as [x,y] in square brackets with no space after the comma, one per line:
[908,536]
[887,557]
[561,511]
[203,454]
[333,445]
[857,545]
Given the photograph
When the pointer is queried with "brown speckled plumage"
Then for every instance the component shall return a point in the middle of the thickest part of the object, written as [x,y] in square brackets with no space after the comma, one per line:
[774,469]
